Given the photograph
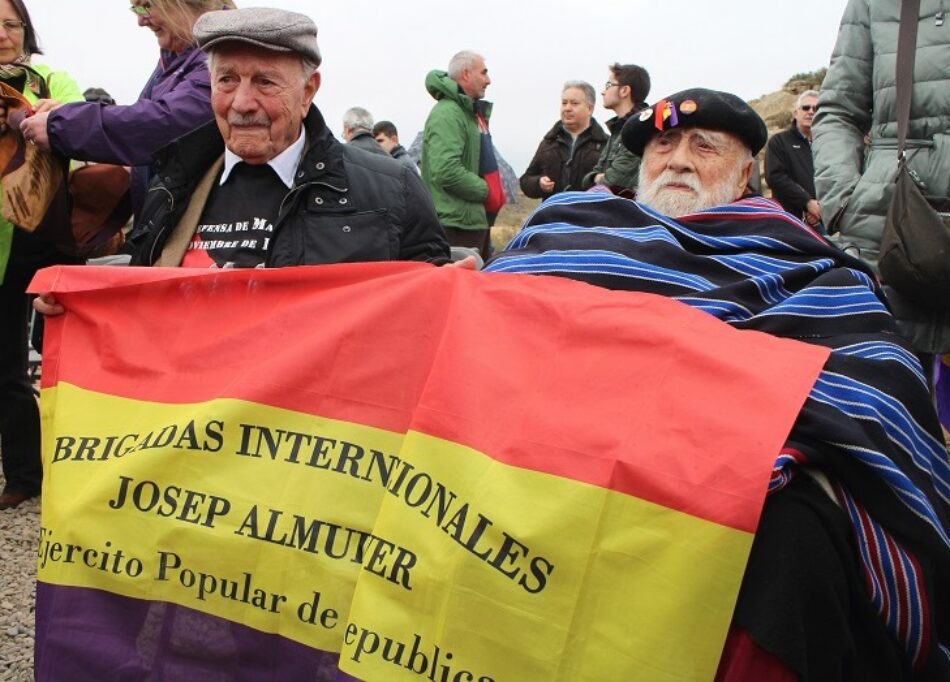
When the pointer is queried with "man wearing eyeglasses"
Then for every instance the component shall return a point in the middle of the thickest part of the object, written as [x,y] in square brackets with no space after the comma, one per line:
[625,94]
[789,168]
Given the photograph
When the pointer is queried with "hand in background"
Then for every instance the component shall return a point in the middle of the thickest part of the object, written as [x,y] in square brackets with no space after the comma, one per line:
[46,304]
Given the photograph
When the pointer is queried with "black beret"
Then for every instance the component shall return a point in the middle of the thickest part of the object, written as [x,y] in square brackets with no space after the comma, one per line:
[696,108]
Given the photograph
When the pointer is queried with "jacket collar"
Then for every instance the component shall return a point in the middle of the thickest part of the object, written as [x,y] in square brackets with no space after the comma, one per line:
[616,123]
[323,159]
[200,148]
[798,133]
[171,61]
[593,131]
[440,86]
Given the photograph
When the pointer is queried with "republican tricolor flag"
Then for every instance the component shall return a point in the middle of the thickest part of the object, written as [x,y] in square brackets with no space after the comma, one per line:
[396,472]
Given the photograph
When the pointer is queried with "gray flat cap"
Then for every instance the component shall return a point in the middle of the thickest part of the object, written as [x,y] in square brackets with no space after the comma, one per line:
[273,29]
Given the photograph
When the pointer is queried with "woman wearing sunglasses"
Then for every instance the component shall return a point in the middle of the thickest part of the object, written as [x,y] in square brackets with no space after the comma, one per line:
[21,255]
[175,100]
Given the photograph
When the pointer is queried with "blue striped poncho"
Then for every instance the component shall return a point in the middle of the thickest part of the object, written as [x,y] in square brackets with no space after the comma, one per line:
[868,425]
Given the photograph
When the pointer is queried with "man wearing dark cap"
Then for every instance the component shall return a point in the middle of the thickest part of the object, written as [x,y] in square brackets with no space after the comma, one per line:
[267,184]
[849,572]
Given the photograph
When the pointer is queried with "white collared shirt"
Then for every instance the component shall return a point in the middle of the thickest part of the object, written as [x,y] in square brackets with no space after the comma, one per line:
[284,164]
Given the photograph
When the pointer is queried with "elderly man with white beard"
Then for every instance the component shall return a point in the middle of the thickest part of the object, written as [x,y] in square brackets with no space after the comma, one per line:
[849,573]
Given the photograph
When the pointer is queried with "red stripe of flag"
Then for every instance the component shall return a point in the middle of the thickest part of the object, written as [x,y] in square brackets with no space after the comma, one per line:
[632,392]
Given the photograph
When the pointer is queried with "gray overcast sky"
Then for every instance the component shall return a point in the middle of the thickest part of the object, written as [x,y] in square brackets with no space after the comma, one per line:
[376,54]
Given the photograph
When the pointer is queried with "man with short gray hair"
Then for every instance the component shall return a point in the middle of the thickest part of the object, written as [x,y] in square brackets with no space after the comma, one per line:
[266,184]
[570,148]
[789,168]
[358,130]
[459,167]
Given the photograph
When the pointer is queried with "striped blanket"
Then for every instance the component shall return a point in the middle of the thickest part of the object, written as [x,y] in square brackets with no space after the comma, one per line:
[868,426]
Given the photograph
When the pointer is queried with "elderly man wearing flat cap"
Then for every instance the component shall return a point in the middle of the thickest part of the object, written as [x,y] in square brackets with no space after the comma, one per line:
[849,573]
[267,184]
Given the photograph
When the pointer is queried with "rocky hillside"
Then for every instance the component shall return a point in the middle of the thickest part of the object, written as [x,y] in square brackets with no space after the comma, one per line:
[776,107]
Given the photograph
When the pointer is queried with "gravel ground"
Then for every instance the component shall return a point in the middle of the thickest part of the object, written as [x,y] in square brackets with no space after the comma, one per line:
[19,533]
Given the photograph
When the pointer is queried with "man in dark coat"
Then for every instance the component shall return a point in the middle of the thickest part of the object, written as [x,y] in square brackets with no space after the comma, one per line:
[387,137]
[358,130]
[267,184]
[789,168]
[570,149]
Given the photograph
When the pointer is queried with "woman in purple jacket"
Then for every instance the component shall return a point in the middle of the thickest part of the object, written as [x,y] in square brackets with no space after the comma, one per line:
[176,100]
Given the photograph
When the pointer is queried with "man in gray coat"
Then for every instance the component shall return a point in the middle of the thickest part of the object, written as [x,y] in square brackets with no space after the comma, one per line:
[855,136]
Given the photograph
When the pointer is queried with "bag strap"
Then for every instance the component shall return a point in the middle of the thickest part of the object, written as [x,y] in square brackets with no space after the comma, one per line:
[904,73]
[173,252]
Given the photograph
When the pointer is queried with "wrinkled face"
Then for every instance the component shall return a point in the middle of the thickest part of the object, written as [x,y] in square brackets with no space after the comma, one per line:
[161,20]
[575,110]
[805,113]
[387,142]
[11,39]
[260,98]
[691,169]
[474,81]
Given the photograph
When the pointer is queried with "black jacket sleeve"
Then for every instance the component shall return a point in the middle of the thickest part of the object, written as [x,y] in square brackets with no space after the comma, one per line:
[531,180]
[422,236]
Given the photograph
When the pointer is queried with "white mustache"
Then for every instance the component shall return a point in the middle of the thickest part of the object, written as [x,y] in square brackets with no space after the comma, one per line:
[248,120]
[668,177]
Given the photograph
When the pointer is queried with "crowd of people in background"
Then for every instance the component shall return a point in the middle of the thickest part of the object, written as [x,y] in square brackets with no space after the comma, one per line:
[233,165]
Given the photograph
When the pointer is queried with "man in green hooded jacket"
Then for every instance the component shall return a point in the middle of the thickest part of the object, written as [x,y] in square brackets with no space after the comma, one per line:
[455,144]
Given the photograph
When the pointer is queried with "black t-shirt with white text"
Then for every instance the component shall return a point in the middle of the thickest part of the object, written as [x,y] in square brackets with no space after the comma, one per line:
[237,225]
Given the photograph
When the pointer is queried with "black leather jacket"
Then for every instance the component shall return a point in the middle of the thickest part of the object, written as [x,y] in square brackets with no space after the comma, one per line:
[347,205]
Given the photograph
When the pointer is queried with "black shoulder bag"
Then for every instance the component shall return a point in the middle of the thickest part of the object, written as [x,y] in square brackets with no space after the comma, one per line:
[915,245]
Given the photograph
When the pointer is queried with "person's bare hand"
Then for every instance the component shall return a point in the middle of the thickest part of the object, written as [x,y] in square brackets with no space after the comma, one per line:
[599,178]
[467,263]
[33,129]
[44,106]
[547,184]
[812,212]
[46,304]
